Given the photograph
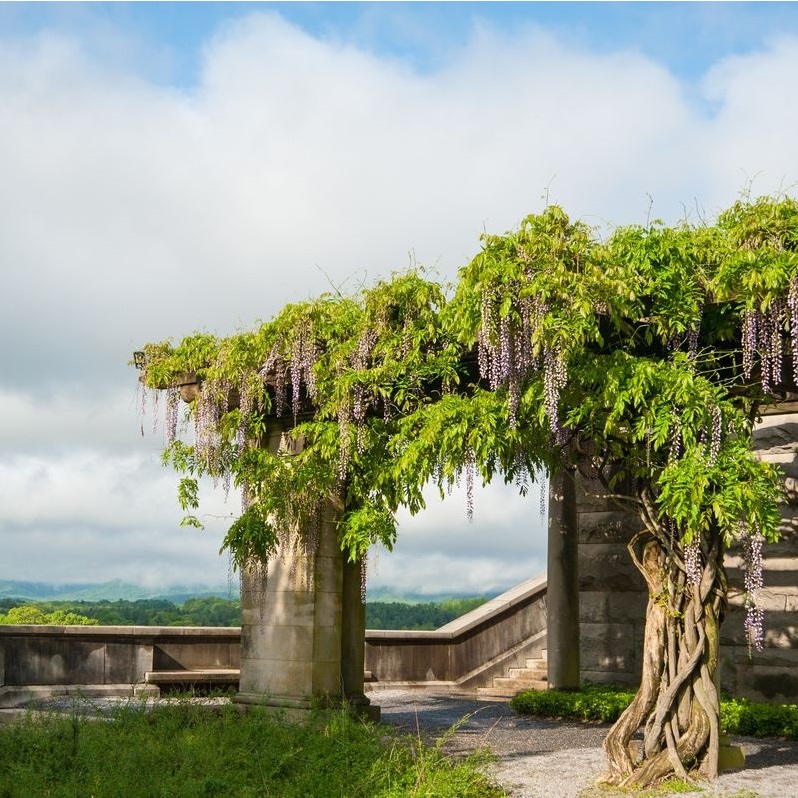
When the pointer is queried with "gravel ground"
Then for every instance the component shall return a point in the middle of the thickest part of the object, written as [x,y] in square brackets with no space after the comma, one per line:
[535,758]
[539,758]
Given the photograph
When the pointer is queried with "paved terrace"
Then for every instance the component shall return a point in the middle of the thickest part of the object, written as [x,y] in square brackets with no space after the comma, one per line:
[538,758]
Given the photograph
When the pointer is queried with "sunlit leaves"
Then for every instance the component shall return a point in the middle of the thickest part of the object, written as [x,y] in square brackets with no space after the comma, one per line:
[641,356]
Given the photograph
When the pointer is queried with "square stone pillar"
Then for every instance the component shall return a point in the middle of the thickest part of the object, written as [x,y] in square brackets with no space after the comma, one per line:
[303,621]
[562,592]
[291,625]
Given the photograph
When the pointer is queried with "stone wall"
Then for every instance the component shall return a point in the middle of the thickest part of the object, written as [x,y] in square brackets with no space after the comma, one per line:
[112,656]
[468,652]
[472,649]
[613,600]
[771,674]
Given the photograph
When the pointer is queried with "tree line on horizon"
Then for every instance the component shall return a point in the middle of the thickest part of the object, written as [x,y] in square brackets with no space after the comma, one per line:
[214,611]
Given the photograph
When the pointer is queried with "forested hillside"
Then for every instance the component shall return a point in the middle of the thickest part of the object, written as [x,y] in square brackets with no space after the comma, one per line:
[396,615]
[214,611]
[205,611]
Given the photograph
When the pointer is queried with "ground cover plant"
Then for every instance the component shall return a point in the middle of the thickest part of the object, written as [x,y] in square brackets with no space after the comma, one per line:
[606,704]
[640,361]
[189,751]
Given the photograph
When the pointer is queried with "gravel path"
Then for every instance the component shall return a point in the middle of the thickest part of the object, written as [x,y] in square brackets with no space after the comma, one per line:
[553,759]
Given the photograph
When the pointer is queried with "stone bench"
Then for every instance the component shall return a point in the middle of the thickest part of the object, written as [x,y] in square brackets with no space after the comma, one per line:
[227,676]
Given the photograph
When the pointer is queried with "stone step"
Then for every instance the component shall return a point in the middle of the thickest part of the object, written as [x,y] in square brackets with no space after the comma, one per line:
[198,676]
[534,672]
[508,692]
[521,682]
[534,676]
[533,665]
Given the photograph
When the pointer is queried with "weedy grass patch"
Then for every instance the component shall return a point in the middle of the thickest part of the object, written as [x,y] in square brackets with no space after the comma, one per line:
[669,787]
[187,751]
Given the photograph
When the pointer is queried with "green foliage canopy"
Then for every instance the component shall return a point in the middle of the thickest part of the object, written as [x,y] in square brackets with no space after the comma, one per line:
[31,614]
[642,359]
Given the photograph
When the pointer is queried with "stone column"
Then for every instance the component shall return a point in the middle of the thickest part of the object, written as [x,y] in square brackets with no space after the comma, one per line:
[291,626]
[353,642]
[562,593]
[291,621]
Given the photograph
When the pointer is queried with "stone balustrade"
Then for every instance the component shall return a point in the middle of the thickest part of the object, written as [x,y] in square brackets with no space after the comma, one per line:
[114,658]
[466,653]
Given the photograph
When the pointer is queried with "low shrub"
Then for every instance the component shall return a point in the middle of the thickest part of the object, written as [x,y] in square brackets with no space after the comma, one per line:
[588,704]
[740,716]
[605,704]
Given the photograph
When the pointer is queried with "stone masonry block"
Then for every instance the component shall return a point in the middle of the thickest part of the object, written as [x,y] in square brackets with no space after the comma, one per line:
[327,644]
[613,526]
[612,607]
[608,567]
[277,677]
[609,647]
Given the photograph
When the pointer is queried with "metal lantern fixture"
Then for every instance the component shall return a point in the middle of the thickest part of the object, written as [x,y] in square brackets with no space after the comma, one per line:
[138,360]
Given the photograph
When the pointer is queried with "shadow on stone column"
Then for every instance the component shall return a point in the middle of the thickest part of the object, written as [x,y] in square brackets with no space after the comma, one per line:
[562,592]
[303,622]
[353,642]
[291,626]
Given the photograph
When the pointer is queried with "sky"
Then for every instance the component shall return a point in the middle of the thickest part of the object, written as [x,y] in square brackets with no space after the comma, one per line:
[169,168]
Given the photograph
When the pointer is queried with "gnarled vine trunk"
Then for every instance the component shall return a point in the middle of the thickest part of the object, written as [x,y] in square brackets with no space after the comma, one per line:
[677,704]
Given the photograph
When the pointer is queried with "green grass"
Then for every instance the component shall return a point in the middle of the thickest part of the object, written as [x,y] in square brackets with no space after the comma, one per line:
[189,751]
[605,704]
[664,789]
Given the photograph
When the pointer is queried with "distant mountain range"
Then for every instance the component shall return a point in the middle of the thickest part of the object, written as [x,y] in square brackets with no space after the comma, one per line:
[392,594]
[116,590]
[111,591]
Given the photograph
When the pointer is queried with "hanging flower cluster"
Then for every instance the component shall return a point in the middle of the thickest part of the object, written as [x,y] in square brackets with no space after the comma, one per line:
[762,335]
[712,436]
[555,378]
[297,366]
[360,360]
[692,562]
[505,354]
[172,413]
[752,563]
[792,307]
[355,404]
[470,468]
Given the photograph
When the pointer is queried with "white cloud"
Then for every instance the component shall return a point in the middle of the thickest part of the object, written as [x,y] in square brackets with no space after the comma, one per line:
[439,550]
[61,420]
[133,211]
[94,517]
[748,138]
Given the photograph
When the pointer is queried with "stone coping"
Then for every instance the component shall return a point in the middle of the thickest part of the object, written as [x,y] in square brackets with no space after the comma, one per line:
[531,588]
[231,632]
